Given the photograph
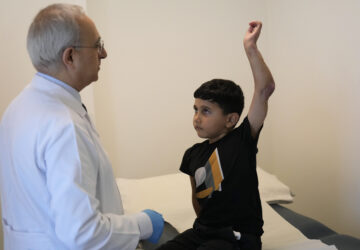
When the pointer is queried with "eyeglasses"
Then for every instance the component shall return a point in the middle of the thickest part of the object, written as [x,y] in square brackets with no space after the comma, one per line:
[99,45]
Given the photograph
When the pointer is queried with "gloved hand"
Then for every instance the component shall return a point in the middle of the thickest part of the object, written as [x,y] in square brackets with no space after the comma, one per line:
[157,224]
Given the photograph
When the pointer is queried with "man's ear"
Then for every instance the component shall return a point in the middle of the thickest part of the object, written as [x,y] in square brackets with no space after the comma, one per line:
[68,57]
[232,119]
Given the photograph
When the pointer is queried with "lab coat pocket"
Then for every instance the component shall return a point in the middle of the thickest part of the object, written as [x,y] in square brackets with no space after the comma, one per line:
[25,240]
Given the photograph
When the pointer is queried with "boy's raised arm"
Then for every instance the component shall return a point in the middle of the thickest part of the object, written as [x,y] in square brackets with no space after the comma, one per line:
[263,80]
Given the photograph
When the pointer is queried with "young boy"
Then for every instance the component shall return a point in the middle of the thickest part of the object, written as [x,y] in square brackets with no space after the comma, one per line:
[222,169]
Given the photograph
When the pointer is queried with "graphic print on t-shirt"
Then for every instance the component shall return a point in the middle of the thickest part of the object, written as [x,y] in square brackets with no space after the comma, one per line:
[211,175]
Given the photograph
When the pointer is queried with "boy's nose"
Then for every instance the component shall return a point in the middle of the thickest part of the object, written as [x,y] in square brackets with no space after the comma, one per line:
[197,120]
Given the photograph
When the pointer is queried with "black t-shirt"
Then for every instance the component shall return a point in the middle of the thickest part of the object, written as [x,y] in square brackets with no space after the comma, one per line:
[226,181]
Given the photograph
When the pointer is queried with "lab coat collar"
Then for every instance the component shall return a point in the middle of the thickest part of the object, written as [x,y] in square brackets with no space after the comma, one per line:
[69,99]
[66,86]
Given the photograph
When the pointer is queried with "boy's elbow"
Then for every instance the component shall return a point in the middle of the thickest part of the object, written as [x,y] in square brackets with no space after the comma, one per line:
[268,90]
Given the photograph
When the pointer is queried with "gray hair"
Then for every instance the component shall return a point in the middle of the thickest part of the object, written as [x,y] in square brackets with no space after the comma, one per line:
[53,29]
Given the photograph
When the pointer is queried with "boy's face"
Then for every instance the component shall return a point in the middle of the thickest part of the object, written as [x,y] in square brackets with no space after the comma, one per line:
[209,120]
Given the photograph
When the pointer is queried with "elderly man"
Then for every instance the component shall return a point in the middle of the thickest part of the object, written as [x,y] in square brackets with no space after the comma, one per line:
[57,185]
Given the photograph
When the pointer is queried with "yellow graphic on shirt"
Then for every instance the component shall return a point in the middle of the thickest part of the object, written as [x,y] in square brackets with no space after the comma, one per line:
[211,175]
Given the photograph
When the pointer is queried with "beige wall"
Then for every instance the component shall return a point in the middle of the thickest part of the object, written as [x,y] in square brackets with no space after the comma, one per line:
[315,119]
[160,51]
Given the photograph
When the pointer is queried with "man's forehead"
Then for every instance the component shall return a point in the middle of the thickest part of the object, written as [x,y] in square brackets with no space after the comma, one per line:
[88,29]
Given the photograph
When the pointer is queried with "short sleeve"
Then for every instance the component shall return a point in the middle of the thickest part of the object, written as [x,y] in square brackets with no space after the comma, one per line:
[244,131]
[184,167]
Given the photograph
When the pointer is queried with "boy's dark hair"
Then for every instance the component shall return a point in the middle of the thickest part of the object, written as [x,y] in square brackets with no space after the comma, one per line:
[225,93]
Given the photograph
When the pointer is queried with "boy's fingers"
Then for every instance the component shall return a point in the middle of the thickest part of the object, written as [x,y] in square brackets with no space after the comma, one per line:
[255,25]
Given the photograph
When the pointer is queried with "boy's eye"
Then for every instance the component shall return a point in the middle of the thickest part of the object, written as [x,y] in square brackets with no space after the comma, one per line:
[206,111]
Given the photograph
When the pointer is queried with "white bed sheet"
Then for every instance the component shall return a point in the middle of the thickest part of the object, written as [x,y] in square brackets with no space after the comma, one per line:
[171,196]
[279,234]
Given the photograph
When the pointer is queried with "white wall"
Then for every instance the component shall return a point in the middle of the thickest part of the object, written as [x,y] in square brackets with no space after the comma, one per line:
[160,51]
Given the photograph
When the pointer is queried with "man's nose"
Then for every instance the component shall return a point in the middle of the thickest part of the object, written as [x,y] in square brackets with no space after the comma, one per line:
[103,54]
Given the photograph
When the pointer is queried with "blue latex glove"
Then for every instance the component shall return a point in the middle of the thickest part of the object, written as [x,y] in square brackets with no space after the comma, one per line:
[157,224]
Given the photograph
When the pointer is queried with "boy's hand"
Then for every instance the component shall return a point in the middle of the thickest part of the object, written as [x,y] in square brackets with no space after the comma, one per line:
[252,35]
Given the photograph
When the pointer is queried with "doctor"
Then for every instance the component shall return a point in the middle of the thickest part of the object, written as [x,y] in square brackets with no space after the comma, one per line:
[57,185]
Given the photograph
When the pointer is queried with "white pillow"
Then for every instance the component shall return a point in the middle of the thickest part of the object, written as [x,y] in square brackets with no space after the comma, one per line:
[170,195]
[271,189]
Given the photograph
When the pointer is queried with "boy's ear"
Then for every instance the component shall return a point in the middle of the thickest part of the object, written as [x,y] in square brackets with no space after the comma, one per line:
[232,119]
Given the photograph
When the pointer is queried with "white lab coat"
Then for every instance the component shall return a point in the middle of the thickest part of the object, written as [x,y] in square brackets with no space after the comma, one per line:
[57,185]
